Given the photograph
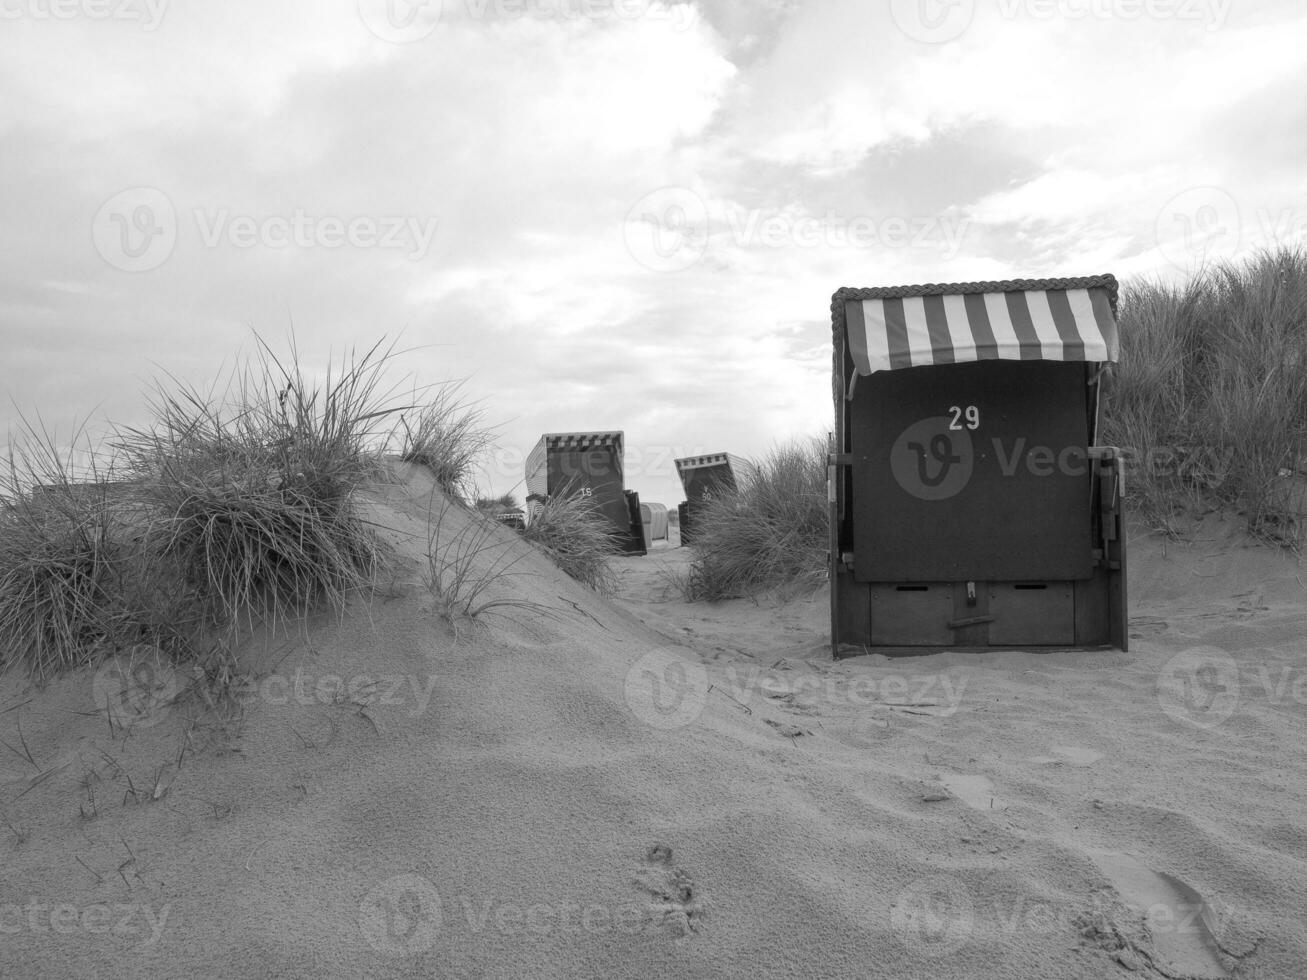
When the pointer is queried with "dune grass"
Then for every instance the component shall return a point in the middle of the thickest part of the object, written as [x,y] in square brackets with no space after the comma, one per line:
[234,508]
[1209,401]
[578,539]
[449,437]
[770,532]
[75,582]
[231,508]
[465,563]
[496,505]
[250,492]
[58,562]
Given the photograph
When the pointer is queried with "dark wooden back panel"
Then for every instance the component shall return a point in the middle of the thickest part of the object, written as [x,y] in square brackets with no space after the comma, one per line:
[703,482]
[573,471]
[934,500]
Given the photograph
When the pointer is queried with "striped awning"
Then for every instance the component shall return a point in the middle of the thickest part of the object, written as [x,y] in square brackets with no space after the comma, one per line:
[582,440]
[537,461]
[710,459]
[1024,320]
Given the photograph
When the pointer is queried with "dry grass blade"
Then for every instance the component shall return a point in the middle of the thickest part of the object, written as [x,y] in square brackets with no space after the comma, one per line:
[40,778]
[27,752]
[24,755]
[465,562]
[99,878]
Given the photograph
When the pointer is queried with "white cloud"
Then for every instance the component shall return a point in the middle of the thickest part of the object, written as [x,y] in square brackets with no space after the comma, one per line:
[529,137]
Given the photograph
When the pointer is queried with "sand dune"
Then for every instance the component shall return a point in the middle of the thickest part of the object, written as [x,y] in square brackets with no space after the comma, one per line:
[642,787]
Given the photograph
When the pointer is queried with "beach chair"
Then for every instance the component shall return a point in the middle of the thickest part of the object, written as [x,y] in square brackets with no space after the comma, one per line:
[703,478]
[653,522]
[970,506]
[588,464]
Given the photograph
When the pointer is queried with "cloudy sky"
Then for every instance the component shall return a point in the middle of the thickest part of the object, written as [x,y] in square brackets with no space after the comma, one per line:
[604,214]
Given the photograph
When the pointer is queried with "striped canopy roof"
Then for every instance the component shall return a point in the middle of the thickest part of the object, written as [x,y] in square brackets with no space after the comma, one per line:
[1020,320]
[582,440]
[740,468]
[537,461]
[710,459]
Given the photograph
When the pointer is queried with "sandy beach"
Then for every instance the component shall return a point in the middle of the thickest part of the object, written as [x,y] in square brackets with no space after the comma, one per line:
[643,787]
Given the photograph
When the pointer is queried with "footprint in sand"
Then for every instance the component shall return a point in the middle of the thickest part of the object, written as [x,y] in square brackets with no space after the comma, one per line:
[789,731]
[1142,627]
[973,789]
[793,702]
[676,906]
[1181,928]
[1068,755]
